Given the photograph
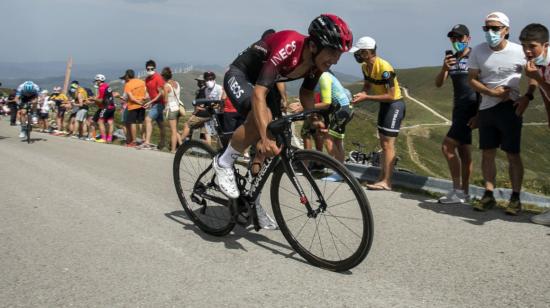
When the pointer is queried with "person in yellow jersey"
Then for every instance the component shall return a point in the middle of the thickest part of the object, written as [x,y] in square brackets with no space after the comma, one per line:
[380,85]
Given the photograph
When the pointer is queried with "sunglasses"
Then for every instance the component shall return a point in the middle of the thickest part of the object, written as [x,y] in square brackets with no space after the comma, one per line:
[150,69]
[492,28]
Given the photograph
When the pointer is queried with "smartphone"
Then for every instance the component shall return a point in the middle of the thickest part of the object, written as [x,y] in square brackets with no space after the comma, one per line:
[448,53]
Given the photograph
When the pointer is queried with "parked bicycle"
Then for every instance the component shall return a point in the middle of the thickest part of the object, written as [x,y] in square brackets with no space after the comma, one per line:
[328,223]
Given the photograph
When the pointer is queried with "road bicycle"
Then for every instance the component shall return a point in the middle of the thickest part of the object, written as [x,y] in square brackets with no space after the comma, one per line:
[328,222]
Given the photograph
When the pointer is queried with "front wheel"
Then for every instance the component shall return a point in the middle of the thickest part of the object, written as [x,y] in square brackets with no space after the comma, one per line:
[339,234]
[28,128]
[198,193]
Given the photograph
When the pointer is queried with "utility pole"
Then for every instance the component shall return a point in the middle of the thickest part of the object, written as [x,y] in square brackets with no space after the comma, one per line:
[67,75]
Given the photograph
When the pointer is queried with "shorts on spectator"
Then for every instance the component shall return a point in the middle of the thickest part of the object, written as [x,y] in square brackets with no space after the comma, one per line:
[173,115]
[338,122]
[460,131]
[124,115]
[390,117]
[307,129]
[106,115]
[499,126]
[61,112]
[195,122]
[155,113]
[81,115]
[43,115]
[136,116]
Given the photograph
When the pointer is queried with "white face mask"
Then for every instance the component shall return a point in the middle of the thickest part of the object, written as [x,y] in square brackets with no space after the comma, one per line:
[541,60]
[210,84]
[150,73]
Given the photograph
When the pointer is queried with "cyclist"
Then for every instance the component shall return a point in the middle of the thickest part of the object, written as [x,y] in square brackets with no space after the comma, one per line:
[61,105]
[381,82]
[282,56]
[106,112]
[26,93]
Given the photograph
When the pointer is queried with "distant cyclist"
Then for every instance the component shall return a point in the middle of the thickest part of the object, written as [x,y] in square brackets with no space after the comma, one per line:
[26,96]
[282,56]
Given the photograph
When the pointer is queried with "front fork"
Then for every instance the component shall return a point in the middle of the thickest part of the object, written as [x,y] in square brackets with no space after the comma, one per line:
[290,171]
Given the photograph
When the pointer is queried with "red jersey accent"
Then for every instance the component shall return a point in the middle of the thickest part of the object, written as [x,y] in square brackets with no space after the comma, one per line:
[153,83]
[228,106]
[270,60]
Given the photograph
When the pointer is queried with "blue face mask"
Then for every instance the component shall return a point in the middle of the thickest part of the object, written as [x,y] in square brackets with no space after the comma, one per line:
[493,38]
[459,47]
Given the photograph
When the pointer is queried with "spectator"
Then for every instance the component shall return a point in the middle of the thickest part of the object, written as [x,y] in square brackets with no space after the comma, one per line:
[106,112]
[12,104]
[534,40]
[135,95]
[456,146]
[381,82]
[201,86]
[171,93]
[495,72]
[154,83]
[61,104]
[74,109]
[332,92]
[80,101]
[43,111]
[200,116]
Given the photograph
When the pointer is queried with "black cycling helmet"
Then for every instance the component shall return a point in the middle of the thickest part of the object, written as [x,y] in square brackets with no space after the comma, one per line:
[331,31]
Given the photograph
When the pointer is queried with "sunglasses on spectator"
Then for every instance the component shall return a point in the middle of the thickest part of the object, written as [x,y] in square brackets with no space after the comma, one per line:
[150,69]
[492,28]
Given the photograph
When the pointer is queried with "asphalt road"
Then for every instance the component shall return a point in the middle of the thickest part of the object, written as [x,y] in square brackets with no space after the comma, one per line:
[84,224]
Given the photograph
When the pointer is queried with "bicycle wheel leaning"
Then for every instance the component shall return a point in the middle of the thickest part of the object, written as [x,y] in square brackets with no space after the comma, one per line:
[339,236]
[198,193]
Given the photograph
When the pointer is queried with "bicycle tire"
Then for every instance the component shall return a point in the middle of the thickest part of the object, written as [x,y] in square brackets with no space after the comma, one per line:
[214,220]
[29,128]
[334,264]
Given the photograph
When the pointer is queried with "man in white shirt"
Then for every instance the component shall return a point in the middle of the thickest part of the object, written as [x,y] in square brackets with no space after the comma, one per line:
[495,72]
[534,40]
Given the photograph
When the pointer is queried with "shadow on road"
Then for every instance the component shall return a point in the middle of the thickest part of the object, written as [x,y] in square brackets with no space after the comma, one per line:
[231,240]
[2,137]
[466,211]
[33,140]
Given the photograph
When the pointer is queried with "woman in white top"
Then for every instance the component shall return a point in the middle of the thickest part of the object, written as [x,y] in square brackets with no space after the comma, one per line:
[172,99]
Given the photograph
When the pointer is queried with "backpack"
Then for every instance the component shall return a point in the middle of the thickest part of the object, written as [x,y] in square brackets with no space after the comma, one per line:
[89,92]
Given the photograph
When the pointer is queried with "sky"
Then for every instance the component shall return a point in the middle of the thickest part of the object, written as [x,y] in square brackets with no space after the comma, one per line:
[408,33]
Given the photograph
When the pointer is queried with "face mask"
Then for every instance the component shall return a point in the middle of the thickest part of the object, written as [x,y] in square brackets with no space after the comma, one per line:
[210,84]
[459,46]
[150,73]
[541,60]
[493,38]
[96,86]
[358,58]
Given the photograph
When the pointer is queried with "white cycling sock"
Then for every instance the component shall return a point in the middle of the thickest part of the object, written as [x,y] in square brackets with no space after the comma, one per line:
[227,159]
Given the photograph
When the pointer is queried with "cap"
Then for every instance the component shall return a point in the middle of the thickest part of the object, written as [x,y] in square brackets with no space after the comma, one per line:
[500,17]
[129,73]
[56,89]
[459,30]
[366,42]
[200,78]
[209,75]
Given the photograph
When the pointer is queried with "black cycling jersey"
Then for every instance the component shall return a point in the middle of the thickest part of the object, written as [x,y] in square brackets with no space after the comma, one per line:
[463,92]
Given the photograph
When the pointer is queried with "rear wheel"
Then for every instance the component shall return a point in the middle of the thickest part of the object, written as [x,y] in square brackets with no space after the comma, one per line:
[339,235]
[197,191]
